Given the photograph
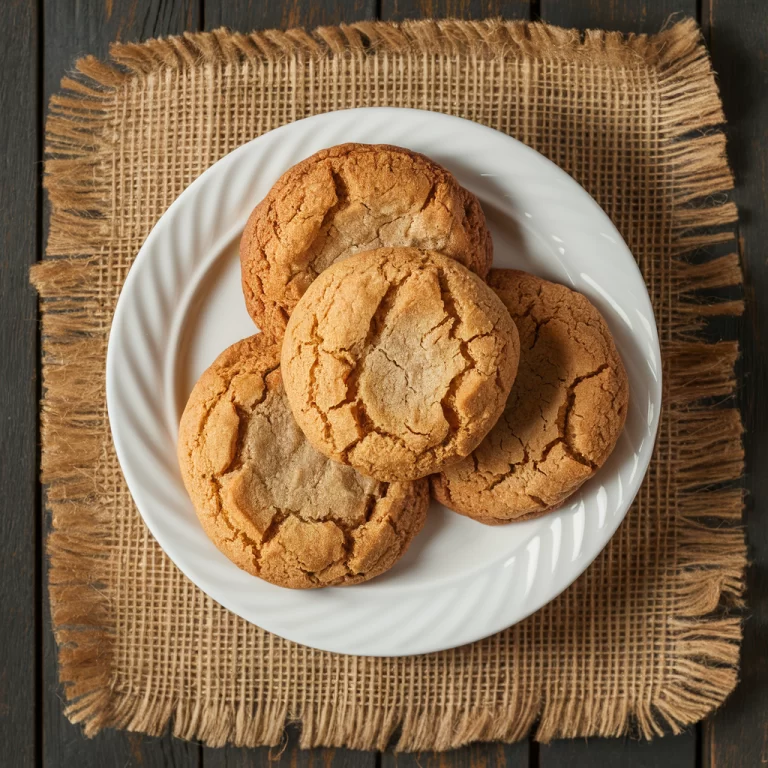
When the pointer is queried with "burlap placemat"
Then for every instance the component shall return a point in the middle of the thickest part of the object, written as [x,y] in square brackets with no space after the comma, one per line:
[643,640]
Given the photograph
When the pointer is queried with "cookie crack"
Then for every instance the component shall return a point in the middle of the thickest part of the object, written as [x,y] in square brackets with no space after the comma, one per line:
[399,367]
[562,439]
[572,451]
[370,343]
[415,431]
[448,401]
[342,200]
[538,325]
[563,418]
[368,427]
[238,535]
[348,543]
[430,198]
[279,520]
[211,403]
[512,466]
[315,341]
[242,431]
[373,566]
[274,527]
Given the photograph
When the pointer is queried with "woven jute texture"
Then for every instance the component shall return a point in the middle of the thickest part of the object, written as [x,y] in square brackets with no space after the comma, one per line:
[647,639]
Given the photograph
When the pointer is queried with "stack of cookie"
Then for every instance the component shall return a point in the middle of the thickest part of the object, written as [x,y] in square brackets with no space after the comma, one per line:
[387,365]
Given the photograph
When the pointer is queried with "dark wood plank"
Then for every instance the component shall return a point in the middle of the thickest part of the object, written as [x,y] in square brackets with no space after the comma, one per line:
[737,34]
[287,754]
[669,752]
[247,15]
[74,28]
[626,16]
[622,15]
[19,138]
[398,10]
[474,756]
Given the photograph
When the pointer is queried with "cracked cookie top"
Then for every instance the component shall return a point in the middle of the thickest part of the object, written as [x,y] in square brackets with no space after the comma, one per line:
[346,199]
[563,417]
[270,502]
[398,361]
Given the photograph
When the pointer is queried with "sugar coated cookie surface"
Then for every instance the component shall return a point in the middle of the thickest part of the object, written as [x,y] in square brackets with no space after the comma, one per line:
[398,361]
[564,414]
[270,502]
[346,199]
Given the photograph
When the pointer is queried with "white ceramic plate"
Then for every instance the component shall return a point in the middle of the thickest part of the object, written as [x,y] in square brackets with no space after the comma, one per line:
[182,304]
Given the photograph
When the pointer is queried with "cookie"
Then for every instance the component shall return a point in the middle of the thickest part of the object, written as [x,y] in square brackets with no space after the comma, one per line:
[269,501]
[398,361]
[563,417]
[346,199]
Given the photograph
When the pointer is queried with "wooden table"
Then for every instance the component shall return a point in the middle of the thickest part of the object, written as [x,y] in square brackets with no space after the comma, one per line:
[39,41]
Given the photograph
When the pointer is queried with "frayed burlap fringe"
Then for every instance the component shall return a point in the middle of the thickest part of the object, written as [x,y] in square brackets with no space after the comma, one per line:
[701,443]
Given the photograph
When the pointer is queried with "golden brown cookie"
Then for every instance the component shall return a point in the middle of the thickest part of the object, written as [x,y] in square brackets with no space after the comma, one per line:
[269,501]
[346,199]
[563,417]
[398,361]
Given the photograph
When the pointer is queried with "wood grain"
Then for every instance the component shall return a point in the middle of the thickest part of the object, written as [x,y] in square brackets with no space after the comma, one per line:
[672,751]
[19,138]
[73,28]
[247,15]
[287,754]
[474,756]
[398,10]
[737,35]
[623,15]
